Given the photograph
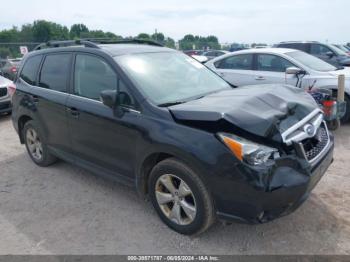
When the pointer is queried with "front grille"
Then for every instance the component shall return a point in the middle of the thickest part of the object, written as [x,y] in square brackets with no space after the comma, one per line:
[314,146]
[3,91]
[5,105]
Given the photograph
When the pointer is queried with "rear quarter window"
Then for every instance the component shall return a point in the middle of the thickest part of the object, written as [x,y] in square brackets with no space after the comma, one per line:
[30,69]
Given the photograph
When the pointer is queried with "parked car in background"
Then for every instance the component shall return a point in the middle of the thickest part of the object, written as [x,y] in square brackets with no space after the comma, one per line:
[5,99]
[214,53]
[327,52]
[158,120]
[200,58]
[9,67]
[194,52]
[280,65]
[345,48]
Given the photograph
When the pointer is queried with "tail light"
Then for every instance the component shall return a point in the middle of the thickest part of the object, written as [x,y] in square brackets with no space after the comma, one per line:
[11,89]
[13,69]
[329,108]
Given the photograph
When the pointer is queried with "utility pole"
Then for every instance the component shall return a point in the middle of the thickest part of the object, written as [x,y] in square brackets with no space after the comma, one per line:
[155,33]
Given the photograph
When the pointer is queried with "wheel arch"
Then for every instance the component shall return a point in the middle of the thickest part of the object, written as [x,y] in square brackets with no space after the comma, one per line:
[153,158]
[21,122]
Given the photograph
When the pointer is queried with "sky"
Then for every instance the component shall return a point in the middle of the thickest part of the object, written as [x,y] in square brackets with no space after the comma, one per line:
[246,21]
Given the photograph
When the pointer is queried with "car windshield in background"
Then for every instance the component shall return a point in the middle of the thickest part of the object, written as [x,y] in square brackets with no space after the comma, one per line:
[339,51]
[311,61]
[170,77]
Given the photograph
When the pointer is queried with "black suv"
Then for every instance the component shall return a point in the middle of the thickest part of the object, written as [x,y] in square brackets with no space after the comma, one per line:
[329,53]
[157,119]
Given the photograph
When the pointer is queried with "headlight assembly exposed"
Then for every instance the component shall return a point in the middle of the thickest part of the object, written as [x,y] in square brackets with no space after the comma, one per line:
[247,151]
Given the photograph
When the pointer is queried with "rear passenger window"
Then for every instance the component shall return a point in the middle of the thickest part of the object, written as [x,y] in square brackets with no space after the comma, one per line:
[30,69]
[317,49]
[238,62]
[297,46]
[92,75]
[55,72]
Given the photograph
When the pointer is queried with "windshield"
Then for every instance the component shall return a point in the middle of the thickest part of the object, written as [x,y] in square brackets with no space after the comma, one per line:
[311,61]
[338,51]
[170,77]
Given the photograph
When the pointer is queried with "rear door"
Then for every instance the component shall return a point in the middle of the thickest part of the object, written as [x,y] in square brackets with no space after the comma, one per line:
[236,69]
[101,138]
[49,98]
[270,69]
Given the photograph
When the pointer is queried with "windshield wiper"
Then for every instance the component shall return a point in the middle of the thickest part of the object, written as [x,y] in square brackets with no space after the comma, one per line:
[171,103]
[339,68]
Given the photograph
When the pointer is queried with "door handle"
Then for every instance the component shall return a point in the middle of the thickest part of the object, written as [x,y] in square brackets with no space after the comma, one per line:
[259,78]
[73,111]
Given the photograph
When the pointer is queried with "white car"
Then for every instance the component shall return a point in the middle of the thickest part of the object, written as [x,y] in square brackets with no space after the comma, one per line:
[279,65]
[5,99]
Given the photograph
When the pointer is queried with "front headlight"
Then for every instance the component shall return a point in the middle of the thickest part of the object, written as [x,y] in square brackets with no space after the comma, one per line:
[247,151]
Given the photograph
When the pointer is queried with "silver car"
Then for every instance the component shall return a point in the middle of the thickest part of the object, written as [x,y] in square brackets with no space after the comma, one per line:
[5,99]
[280,66]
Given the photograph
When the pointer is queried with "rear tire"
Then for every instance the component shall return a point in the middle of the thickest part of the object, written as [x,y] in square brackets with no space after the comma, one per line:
[36,146]
[185,204]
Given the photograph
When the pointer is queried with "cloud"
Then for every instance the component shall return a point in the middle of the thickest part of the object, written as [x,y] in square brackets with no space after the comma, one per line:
[232,21]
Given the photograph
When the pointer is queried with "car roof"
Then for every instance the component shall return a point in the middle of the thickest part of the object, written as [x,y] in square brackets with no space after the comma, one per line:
[299,42]
[265,50]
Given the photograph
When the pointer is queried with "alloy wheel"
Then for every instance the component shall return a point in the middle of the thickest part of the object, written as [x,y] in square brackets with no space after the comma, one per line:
[34,144]
[175,199]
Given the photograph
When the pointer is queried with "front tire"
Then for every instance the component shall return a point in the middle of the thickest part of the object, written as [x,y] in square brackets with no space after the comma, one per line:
[36,146]
[180,197]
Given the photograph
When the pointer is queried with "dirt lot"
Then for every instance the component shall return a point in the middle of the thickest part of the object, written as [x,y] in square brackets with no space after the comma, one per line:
[67,210]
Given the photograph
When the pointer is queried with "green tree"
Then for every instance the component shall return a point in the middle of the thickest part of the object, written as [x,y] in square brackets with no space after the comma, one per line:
[199,42]
[169,42]
[143,36]
[77,29]
[159,37]
[4,52]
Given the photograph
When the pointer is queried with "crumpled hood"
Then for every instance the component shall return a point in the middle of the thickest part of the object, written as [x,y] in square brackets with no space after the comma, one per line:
[263,110]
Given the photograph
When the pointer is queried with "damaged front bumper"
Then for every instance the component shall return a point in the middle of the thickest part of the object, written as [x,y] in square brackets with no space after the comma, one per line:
[271,191]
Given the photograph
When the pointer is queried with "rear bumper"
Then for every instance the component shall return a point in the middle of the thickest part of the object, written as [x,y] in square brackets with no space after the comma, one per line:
[280,191]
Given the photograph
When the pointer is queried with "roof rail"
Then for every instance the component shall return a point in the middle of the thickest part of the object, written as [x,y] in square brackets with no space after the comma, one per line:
[300,41]
[64,43]
[94,42]
[130,41]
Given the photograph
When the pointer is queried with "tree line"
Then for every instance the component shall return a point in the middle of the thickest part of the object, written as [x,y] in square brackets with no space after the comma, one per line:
[42,31]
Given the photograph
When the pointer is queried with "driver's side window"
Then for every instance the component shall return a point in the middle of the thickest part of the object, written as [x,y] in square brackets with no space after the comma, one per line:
[92,75]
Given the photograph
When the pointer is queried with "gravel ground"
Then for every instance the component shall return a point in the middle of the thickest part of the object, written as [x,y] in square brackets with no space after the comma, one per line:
[66,210]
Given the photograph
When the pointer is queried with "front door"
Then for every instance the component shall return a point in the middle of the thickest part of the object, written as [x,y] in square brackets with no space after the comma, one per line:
[270,69]
[100,136]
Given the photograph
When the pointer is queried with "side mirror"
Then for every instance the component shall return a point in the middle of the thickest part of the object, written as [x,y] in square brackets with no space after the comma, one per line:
[109,98]
[293,71]
[330,54]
